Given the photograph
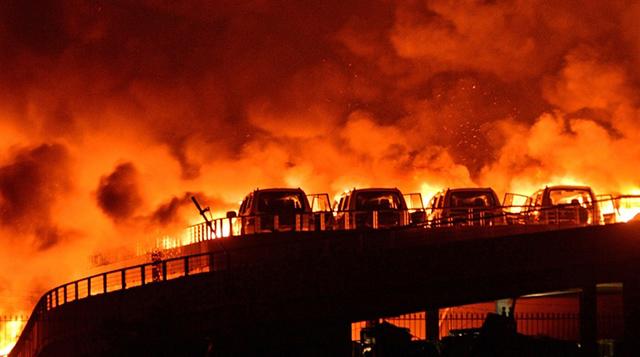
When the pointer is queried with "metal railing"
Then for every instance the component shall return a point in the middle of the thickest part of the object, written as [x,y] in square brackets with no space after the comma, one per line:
[31,338]
[129,277]
[561,215]
[301,222]
[263,223]
[618,209]
[349,220]
[482,217]
[563,326]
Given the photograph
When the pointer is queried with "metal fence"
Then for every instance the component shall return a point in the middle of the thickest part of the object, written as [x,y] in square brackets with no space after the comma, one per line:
[264,223]
[129,277]
[564,326]
[603,211]
[32,336]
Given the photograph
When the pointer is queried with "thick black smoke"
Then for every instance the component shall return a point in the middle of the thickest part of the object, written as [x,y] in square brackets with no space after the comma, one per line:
[173,211]
[30,186]
[118,194]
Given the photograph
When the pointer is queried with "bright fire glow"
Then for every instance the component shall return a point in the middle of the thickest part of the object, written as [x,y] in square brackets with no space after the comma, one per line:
[102,152]
[9,334]
[629,208]
[427,192]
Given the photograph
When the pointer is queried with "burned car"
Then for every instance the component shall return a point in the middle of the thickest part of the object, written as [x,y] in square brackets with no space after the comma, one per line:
[274,209]
[465,206]
[376,208]
[562,205]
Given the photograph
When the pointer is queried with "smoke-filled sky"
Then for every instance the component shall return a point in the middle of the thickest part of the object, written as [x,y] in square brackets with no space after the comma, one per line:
[112,113]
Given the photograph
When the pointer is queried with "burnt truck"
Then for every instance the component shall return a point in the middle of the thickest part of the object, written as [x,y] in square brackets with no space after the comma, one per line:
[560,205]
[282,209]
[469,206]
[377,208]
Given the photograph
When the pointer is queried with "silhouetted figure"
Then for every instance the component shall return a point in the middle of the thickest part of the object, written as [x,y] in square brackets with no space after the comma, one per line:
[583,213]
[156,269]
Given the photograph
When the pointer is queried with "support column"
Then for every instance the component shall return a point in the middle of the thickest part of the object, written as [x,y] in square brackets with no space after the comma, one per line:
[631,305]
[433,324]
[589,320]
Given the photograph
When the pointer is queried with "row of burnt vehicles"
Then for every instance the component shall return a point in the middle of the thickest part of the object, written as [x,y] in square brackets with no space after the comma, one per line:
[290,209]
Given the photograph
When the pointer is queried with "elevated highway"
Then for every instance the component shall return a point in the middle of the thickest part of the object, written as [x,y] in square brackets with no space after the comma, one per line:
[282,293]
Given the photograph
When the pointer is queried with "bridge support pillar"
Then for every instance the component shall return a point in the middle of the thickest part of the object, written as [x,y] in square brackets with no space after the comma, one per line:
[589,320]
[631,305]
[432,319]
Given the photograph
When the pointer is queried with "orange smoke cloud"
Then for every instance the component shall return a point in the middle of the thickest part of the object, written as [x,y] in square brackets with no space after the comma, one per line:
[113,114]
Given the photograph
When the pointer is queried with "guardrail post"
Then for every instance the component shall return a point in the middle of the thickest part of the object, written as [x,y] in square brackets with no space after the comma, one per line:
[104,283]
[64,291]
[142,277]
[186,266]
[124,279]
[76,288]
[164,270]
[211,262]
[88,287]
[432,326]
[57,301]
[589,320]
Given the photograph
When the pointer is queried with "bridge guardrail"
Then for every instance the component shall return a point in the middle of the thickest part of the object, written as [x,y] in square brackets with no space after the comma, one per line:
[32,336]
[300,222]
[263,223]
[618,208]
[471,217]
[349,220]
[615,209]
[129,277]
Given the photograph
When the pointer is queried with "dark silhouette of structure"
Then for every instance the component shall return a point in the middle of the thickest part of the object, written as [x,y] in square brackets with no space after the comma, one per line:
[296,293]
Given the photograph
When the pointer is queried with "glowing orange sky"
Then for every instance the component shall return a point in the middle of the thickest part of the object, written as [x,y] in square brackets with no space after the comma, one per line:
[113,112]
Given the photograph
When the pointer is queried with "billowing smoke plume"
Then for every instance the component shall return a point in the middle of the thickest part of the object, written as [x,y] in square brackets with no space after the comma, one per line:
[112,112]
[30,185]
[118,195]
